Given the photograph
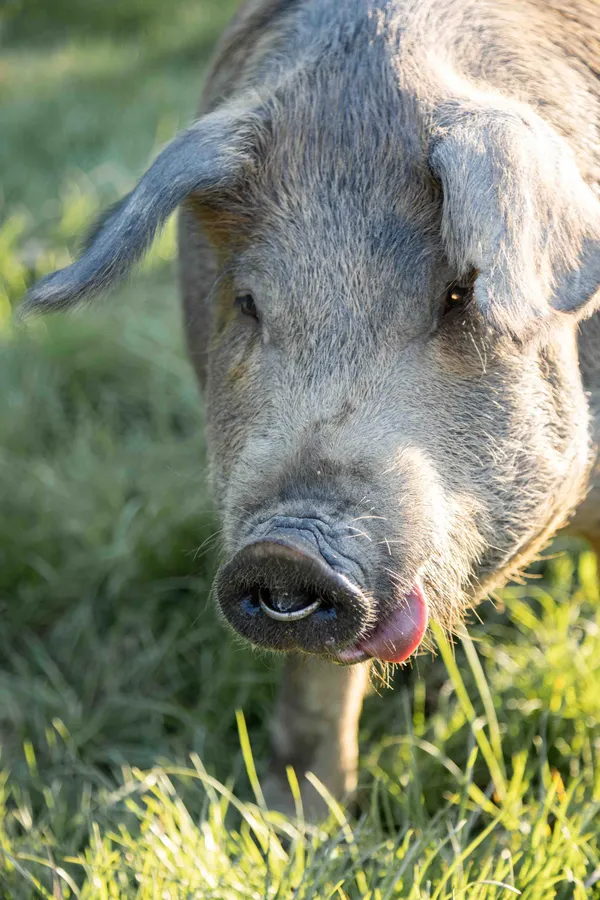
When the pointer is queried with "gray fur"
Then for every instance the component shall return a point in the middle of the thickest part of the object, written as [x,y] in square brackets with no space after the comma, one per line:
[397,147]
[517,211]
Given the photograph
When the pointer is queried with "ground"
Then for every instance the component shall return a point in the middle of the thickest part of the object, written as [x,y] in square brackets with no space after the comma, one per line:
[126,772]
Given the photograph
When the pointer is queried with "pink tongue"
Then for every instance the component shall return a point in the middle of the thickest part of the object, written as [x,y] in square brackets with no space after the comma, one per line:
[396,638]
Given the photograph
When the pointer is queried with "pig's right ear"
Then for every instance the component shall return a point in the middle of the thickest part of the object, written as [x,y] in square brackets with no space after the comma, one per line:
[517,212]
[204,160]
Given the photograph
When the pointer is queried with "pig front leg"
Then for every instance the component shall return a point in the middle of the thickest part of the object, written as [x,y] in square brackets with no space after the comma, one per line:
[315,729]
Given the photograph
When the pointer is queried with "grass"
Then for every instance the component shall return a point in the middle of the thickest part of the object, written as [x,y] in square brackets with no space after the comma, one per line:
[124,770]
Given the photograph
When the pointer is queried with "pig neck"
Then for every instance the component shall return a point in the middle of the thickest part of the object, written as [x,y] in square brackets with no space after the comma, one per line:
[587,518]
[589,362]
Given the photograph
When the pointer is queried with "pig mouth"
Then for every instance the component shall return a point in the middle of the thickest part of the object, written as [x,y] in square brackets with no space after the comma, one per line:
[394,638]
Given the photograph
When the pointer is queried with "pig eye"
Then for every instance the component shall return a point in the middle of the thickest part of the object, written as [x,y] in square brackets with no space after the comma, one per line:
[456,297]
[247,306]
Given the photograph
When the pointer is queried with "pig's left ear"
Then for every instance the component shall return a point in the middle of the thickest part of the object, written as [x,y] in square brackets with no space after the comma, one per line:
[517,212]
[205,160]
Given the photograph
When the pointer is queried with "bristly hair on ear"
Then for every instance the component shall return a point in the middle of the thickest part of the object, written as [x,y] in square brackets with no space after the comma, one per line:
[102,220]
[516,209]
[203,160]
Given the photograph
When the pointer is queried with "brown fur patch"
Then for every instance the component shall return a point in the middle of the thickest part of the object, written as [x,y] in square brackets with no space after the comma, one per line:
[223,225]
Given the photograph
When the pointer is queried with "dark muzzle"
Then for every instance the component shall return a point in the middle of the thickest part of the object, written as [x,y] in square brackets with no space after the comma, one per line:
[279,594]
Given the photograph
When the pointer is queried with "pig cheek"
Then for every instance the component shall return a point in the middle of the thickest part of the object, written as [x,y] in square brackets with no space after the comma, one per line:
[232,409]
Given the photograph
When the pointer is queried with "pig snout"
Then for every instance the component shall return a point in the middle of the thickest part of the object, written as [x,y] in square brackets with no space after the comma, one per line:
[286,590]
[281,593]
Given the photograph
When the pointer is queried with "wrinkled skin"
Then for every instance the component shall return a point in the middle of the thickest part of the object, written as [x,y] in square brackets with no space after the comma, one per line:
[408,193]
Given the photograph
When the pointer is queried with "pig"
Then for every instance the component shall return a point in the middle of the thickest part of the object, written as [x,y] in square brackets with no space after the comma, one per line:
[389,238]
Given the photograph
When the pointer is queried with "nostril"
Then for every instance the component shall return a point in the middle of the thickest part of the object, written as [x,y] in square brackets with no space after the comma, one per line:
[326,610]
[263,595]
[251,601]
[283,597]
[283,605]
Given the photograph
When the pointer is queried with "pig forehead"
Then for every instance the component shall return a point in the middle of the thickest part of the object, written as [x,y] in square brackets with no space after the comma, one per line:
[363,261]
[366,223]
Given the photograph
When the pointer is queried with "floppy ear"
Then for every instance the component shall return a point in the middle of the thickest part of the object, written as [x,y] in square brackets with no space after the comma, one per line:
[517,211]
[203,160]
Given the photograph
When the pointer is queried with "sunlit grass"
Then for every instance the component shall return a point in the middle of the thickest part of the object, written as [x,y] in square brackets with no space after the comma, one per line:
[517,818]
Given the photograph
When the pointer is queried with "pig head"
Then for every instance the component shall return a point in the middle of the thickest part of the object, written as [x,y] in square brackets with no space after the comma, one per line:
[395,413]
